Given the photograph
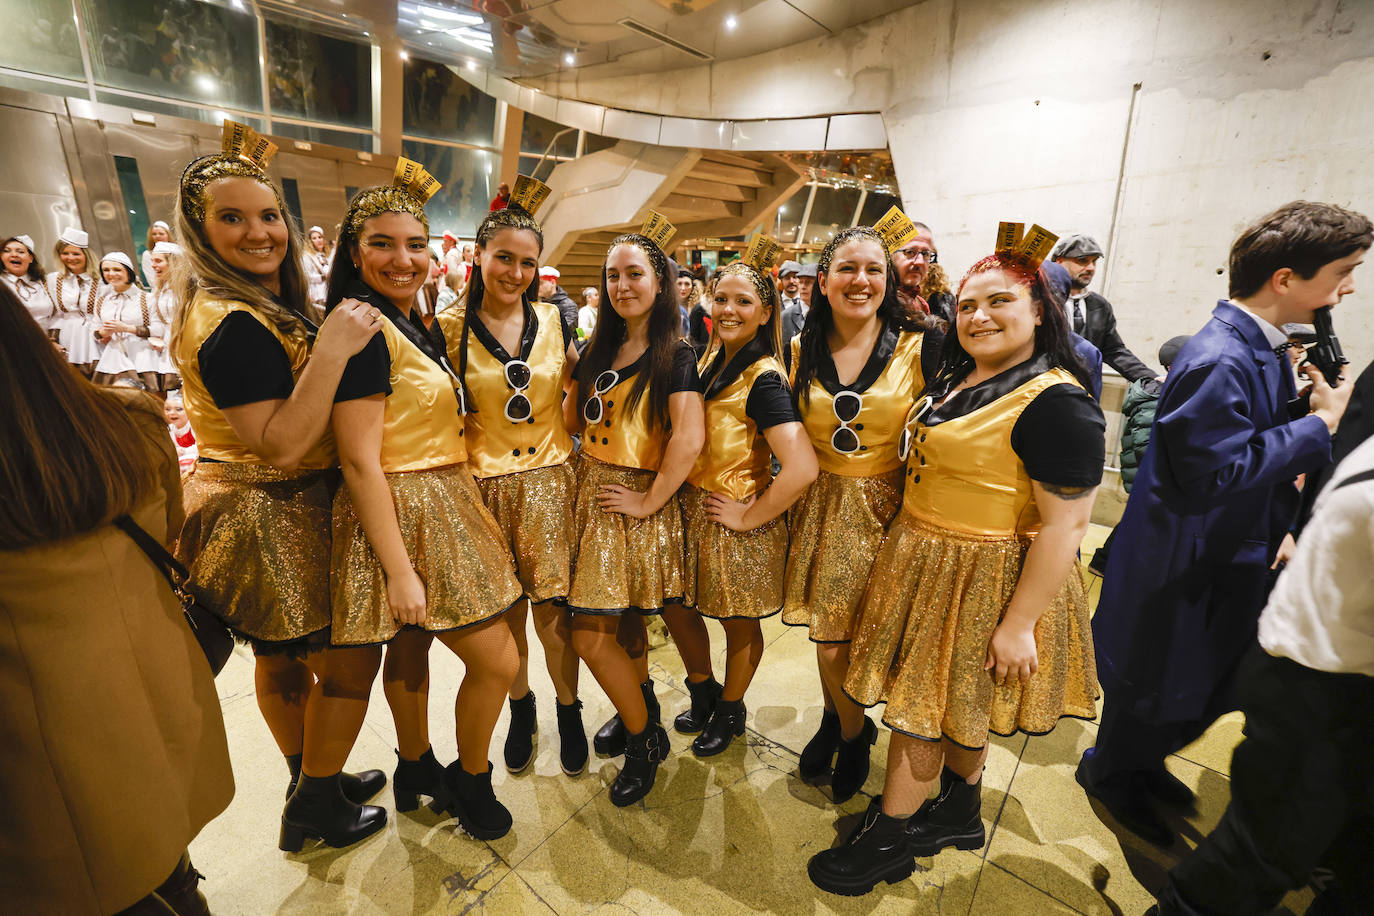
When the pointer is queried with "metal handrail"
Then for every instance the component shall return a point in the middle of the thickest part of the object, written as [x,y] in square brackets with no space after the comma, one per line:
[534,172]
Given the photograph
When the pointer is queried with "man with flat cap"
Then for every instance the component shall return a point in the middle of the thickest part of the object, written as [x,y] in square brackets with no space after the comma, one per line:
[794,310]
[1091,315]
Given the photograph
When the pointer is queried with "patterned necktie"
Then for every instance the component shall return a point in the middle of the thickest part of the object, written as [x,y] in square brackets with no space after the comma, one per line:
[1077,314]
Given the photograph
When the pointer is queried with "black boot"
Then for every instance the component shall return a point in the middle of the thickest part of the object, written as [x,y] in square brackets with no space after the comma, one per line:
[482,817]
[851,763]
[820,750]
[1128,800]
[643,753]
[705,695]
[876,851]
[952,818]
[181,892]
[319,810]
[414,778]
[524,725]
[572,738]
[357,787]
[727,723]
[609,740]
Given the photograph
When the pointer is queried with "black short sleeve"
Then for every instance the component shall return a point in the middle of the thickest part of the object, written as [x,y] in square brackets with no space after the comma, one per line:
[241,362]
[684,376]
[770,402]
[367,373]
[1061,438]
[568,334]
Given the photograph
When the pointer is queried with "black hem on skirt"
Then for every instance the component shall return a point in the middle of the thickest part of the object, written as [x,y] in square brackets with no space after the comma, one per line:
[412,626]
[616,612]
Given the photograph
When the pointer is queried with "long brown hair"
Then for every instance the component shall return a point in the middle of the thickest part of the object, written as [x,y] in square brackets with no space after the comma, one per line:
[73,459]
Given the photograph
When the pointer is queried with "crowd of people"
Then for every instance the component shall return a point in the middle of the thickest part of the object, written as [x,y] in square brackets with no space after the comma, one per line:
[902,465]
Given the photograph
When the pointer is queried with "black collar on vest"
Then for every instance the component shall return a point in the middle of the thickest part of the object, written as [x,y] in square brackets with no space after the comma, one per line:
[527,335]
[984,393]
[721,375]
[429,340]
[877,362]
[311,328]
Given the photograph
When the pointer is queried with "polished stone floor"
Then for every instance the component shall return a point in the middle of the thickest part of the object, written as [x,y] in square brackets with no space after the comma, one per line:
[731,835]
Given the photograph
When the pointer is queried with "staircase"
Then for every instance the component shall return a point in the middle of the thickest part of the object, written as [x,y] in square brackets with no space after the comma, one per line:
[704,193]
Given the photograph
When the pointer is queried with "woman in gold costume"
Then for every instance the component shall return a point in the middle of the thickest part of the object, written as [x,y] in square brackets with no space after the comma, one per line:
[857,365]
[732,505]
[975,620]
[640,410]
[515,358]
[416,554]
[258,382]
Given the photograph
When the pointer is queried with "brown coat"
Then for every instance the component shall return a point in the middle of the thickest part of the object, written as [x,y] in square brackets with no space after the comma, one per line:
[112,749]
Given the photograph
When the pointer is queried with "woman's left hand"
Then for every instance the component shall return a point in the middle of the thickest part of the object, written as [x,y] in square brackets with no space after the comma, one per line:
[726,511]
[1011,653]
[615,498]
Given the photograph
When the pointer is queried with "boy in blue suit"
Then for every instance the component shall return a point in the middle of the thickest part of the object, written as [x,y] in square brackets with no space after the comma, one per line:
[1214,495]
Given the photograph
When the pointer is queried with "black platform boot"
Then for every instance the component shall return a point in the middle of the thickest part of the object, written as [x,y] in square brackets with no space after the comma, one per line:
[357,787]
[609,740]
[727,724]
[876,851]
[851,763]
[480,814]
[705,695]
[572,738]
[952,818]
[524,725]
[643,753]
[414,778]
[820,750]
[319,810]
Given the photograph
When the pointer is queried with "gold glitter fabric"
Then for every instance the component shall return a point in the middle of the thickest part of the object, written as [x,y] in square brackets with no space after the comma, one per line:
[621,563]
[729,573]
[534,510]
[453,542]
[835,529]
[934,597]
[256,542]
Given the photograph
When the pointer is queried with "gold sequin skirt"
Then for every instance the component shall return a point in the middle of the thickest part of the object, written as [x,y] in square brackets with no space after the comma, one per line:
[454,544]
[534,510]
[731,574]
[621,563]
[922,635]
[256,542]
[835,529]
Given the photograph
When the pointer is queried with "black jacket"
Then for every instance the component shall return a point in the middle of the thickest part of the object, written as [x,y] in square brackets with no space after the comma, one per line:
[567,309]
[1099,329]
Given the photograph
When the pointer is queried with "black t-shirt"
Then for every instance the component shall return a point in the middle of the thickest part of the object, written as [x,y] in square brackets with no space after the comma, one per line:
[1061,438]
[368,372]
[770,402]
[241,362]
[682,377]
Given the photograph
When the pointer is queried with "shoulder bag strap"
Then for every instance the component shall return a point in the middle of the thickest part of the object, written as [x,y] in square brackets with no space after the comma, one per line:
[171,568]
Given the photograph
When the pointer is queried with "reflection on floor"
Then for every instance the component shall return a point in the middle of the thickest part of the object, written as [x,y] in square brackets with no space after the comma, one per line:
[727,836]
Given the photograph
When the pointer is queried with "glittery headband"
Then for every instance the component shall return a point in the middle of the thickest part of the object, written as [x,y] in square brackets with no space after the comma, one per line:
[762,285]
[243,154]
[848,235]
[410,189]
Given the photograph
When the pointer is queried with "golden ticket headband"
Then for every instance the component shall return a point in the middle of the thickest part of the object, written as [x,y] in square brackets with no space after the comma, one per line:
[410,189]
[529,194]
[1031,247]
[243,154]
[658,230]
[762,253]
[895,229]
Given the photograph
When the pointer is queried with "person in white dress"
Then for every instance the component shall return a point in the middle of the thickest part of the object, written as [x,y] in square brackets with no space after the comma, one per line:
[165,299]
[125,319]
[159,231]
[74,290]
[24,275]
[317,261]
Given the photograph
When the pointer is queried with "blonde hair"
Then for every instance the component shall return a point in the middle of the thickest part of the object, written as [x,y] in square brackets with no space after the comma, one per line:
[57,253]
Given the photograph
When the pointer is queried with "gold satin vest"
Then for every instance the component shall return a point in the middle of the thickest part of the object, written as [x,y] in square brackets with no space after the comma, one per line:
[736,460]
[885,407]
[421,427]
[963,475]
[215,438]
[495,445]
[624,439]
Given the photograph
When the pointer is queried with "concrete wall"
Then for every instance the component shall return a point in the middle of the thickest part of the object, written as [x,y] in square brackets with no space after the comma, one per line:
[1160,126]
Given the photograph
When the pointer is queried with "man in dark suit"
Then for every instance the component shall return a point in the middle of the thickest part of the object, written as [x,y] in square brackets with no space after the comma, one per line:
[1090,315]
[1214,496]
[794,310]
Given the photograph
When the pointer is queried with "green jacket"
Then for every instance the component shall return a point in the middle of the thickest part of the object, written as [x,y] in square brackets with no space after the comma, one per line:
[1137,416]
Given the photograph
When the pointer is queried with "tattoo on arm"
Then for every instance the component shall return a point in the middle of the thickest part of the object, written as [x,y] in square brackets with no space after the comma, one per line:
[1067,492]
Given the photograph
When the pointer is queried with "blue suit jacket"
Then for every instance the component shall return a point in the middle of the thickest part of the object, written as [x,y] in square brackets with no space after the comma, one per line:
[1187,574]
[1092,360]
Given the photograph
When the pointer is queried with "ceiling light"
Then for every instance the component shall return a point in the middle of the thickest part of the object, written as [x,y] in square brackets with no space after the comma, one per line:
[472,65]
[569,59]
[206,83]
[405,55]
[730,23]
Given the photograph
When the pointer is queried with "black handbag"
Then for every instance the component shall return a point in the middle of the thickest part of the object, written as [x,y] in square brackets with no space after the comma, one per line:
[214,637]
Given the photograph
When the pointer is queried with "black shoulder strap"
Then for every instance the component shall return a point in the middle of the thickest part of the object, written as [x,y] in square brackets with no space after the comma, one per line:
[169,565]
[1355,478]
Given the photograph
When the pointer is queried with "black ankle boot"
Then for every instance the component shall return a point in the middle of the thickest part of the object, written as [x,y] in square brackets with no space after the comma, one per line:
[414,778]
[705,695]
[820,750]
[952,818]
[482,817]
[572,738]
[520,734]
[357,787]
[727,724]
[181,890]
[319,810]
[851,763]
[643,753]
[876,851]
[609,740]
